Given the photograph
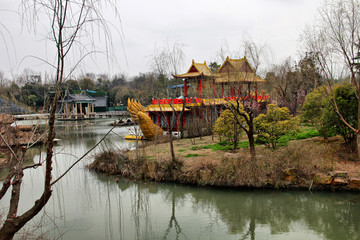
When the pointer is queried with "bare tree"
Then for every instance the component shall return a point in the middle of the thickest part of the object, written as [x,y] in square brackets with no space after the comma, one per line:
[168,60]
[2,80]
[258,54]
[223,52]
[334,41]
[68,22]
[277,81]
[170,123]
[289,82]
[246,105]
[245,110]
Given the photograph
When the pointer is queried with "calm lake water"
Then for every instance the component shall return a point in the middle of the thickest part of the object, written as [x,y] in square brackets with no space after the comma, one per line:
[86,205]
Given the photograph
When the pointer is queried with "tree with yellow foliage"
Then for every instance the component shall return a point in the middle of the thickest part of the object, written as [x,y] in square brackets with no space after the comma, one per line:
[275,123]
[227,126]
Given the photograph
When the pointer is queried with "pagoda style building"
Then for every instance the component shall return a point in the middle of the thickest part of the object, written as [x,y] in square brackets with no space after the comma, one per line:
[76,107]
[206,93]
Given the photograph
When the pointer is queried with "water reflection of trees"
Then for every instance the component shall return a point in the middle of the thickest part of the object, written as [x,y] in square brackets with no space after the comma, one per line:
[141,209]
[329,215]
[176,196]
[139,205]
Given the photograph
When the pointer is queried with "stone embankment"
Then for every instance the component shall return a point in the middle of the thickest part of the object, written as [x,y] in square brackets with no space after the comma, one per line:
[337,180]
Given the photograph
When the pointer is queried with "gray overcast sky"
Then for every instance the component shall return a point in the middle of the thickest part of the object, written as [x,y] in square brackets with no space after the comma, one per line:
[202,25]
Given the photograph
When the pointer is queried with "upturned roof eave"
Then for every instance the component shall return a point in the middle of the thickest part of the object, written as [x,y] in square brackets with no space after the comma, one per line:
[189,75]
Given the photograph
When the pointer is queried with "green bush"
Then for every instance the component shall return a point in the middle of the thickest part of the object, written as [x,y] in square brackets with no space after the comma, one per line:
[283,140]
[227,127]
[319,109]
[307,134]
[271,126]
[315,111]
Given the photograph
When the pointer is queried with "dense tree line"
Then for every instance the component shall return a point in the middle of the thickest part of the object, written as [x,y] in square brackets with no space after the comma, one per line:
[144,86]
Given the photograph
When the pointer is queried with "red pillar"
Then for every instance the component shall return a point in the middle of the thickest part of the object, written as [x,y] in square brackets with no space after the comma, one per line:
[177,123]
[214,86]
[256,92]
[159,120]
[200,87]
[168,120]
[184,116]
[239,91]
[222,90]
[231,91]
[185,88]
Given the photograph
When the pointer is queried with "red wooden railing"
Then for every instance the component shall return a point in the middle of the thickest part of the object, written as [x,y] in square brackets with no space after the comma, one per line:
[199,100]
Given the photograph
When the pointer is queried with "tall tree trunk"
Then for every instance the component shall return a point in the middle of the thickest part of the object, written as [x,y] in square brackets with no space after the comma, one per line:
[13,224]
[250,134]
[295,103]
[173,158]
[357,133]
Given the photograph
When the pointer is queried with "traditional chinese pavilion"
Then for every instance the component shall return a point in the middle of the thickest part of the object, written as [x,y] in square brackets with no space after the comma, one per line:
[208,94]
[76,107]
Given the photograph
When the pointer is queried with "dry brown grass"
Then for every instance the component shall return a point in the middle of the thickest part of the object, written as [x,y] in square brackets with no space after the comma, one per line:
[295,164]
[161,151]
[106,162]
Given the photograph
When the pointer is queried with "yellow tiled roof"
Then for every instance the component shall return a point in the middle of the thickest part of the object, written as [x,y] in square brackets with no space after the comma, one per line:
[165,108]
[188,75]
[244,77]
[234,75]
[202,70]
[236,63]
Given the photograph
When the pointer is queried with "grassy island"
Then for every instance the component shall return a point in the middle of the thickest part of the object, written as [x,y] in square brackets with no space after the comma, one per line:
[301,162]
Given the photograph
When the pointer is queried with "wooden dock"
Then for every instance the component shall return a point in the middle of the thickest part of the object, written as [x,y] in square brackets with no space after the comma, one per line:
[32,116]
[111,114]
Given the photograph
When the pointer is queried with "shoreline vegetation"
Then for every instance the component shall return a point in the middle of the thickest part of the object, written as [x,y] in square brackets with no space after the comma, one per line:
[303,161]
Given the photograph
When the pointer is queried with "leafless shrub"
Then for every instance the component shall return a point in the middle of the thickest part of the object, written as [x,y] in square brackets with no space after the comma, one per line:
[108,161]
[198,127]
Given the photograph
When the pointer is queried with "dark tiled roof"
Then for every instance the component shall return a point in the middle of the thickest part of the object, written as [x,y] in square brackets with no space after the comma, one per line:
[77,98]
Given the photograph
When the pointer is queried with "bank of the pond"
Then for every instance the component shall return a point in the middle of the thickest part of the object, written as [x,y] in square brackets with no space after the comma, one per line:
[314,163]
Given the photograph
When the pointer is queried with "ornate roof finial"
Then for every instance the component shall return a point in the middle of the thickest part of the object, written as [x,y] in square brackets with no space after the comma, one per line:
[205,62]
[227,58]
[244,57]
[193,61]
